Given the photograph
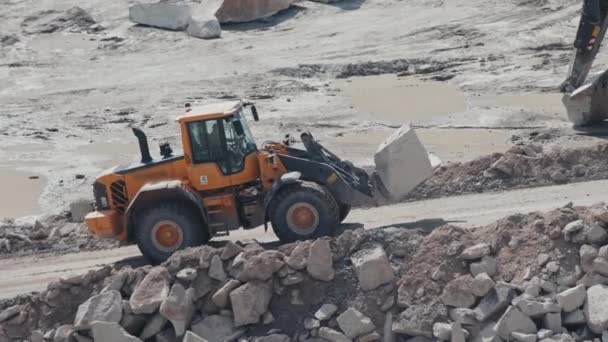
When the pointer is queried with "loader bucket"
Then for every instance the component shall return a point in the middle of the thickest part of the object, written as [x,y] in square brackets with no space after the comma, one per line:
[588,104]
[402,163]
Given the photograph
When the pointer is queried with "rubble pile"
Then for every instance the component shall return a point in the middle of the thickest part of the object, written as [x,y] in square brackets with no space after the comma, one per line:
[520,166]
[74,19]
[49,234]
[532,277]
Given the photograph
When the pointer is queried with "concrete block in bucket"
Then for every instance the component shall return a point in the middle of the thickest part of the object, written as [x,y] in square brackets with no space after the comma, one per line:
[402,162]
[589,103]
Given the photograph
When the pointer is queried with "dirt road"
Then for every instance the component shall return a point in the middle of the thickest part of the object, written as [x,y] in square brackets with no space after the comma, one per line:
[34,273]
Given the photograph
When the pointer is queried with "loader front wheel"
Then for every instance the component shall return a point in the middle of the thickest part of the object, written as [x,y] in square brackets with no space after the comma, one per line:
[166,228]
[303,211]
[344,210]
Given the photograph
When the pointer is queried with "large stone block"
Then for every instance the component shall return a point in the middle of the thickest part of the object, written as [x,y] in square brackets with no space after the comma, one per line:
[402,162]
[166,15]
[238,11]
[373,268]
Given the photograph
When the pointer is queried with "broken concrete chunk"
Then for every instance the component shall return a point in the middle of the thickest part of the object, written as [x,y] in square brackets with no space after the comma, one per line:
[299,256]
[596,235]
[178,308]
[230,250]
[544,333]
[488,334]
[110,331]
[163,14]
[311,323]
[331,335]
[201,284]
[151,292]
[442,331]
[216,328]
[372,267]
[220,298]
[325,312]
[273,338]
[573,227]
[261,266]
[463,316]
[401,154]
[587,254]
[493,302]
[520,337]
[192,337]
[354,323]
[553,322]
[240,11]
[596,309]
[417,320]
[514,320]
[486,265]
[536,308]
[476,252]
[575,317]
[250,302]
[482,284]
[572,299]
[458,334]
[187,274]
[320,261]
[458,292]
[106,307]
[216,269]
[203,23]
[153,326]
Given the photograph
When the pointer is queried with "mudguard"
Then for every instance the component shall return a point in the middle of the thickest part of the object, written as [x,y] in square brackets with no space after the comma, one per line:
[286,179]
[163,191]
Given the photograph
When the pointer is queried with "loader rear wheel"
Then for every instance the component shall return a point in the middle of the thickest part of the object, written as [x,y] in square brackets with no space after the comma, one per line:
[304,210]
[166,228]
[344,210]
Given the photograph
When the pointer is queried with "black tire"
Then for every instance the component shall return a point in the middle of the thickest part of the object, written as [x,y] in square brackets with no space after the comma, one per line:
[344,210]
[316,199]
[185,221]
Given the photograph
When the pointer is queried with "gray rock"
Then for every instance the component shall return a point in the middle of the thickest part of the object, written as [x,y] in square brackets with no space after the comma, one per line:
[153,326]
[192,337]
[110,331]
[299,256]
[543,259]
[463,316]
[454,248]
[603,252]
[587,254]
[458,292]
[230,250]
[596,309]
[250,302]
[187,274]
[476,252]
[267,318]
[372,267]
[216,269]
[600,265]
[238,12]
[559,338]
[311,323]
[10,312]
[552,267]
[486,265]
[63,333]
[206,254]
[573,227]
[553,322]
[417,320]
[596,234]
[544,333]
[273,338]
[372,337]
[261,266]
[331,335]
[574,318]
[488,334]
[536,308]
[37,336]
[216,328]
[151,292]
[320,261]
[354,324]
[458,334]
[220,298]
[442,331]
[514,320]
[494,302]
[106,306]
[166,15]
[178,308]
[523,337]
[201,284]
[482,284]
[572,299]
[325,312]
[203,24]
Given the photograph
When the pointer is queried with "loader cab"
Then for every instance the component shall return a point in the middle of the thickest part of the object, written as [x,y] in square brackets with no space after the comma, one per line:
[219,148]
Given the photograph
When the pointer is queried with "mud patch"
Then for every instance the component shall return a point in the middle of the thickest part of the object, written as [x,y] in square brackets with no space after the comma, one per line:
[21,191]
[400,100]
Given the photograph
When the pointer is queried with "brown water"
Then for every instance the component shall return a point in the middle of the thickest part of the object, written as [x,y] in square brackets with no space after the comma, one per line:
[395,100]
[19,193]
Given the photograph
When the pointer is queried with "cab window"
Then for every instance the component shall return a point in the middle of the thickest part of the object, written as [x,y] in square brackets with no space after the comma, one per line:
[206,141]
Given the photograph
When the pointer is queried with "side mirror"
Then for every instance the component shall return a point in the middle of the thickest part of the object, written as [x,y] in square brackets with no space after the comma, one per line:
[254,113]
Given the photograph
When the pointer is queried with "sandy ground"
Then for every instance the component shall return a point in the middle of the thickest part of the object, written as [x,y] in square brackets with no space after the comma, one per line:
[27,274]
[480,72]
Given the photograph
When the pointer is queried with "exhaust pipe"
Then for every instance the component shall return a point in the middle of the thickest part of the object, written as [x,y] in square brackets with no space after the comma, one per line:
[143,145]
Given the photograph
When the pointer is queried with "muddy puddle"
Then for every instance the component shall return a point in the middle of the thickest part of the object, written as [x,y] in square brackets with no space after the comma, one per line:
[395,100]
[20,192]
[448,144]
